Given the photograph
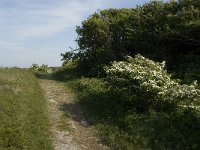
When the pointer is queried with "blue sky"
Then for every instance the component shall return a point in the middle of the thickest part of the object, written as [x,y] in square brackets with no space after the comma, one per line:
[37,31]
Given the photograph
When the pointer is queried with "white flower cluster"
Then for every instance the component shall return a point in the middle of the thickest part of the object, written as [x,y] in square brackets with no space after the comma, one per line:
[151,77]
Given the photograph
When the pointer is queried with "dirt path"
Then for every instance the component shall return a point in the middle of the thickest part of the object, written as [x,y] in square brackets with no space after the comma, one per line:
[69,128]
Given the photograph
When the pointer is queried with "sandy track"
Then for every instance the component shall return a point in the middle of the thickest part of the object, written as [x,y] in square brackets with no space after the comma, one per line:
[78,134]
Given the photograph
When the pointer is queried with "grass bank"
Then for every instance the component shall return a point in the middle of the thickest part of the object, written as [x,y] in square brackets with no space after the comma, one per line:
[24,122]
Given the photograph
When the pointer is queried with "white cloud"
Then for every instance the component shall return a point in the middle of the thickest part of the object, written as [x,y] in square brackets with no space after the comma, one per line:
[32,29]
[33,20]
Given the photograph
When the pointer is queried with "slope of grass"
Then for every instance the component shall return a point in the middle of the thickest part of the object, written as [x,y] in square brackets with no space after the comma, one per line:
[23,123]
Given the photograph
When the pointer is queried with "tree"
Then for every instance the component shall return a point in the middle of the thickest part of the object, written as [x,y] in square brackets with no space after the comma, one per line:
[157,30]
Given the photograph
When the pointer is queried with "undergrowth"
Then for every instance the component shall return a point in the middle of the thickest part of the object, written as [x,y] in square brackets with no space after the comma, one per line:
[122,126]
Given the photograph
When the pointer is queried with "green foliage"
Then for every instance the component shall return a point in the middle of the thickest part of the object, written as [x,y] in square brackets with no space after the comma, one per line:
[43,68]
[129,113]
[67,72]
[187,68]
[35,66]
[140,105]
[157,30]
[70,55]
[123,127]
[150,83]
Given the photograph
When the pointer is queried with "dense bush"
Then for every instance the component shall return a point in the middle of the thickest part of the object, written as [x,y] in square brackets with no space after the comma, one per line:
[122,127]
[157,30]
[140,105]
[150,83]
[131,113]
[187,68]
[43,68]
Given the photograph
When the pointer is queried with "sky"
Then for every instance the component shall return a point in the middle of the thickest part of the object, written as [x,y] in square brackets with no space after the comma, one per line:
[38,31]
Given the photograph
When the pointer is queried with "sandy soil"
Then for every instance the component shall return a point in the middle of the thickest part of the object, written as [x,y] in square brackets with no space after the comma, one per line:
[69,128]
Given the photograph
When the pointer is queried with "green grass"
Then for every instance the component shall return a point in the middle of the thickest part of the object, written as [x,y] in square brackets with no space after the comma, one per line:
[64,124]
[24,122]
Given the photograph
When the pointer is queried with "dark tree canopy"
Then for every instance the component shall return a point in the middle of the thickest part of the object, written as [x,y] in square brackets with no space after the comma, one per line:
[157,30]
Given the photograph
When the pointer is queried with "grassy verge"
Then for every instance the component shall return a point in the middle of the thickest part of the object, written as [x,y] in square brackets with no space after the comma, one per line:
[24,122]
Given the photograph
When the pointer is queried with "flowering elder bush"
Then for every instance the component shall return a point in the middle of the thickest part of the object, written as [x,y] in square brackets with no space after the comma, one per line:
[150,82]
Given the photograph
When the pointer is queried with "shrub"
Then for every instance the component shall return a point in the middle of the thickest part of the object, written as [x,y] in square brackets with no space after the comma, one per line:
[35,66]
[158,30]
[187,68]
[43,68]
[150,82]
